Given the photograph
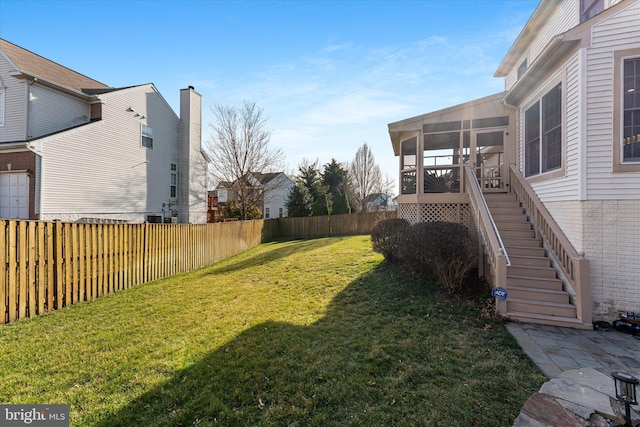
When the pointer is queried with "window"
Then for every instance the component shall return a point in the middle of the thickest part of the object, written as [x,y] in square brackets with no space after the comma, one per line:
[631,110]
[280,212]
[174,181]
[408,157]
[543,133]
[626,110]
[522,68]
[590,8]
[266,213]
[147,136]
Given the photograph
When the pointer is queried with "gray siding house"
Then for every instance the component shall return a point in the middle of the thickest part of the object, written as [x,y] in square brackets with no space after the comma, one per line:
[75,149]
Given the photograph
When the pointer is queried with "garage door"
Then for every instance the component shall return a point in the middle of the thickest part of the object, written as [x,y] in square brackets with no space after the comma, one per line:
[14,195]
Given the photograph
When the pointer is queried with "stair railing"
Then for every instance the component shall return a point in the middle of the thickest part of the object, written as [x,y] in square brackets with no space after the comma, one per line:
[489,239]
[573,264]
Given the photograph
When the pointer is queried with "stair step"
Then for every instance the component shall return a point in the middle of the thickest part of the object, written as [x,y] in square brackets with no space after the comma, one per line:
[510,210]
[534,282]
[529,242]
[531,271]
[502,218]
[537,261]
[538,295]
[513,225]
[537,251]
[530,234]
[541,307]
[499,196]
[535,294]
[543,319]
[503,204]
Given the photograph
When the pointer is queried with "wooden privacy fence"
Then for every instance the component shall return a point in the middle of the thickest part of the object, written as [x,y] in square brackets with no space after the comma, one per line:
[326,226]
[50,265]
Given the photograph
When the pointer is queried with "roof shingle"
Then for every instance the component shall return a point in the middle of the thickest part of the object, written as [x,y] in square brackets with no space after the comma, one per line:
[35,65]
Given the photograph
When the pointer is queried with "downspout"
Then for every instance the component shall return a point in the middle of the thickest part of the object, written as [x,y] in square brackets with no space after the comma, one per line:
[516,128]
[28,121]
[38,177]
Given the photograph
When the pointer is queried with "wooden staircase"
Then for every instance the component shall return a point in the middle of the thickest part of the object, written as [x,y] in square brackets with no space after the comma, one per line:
[535,294]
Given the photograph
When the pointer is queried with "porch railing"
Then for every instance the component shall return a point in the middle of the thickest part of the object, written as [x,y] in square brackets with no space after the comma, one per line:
[488,235]
[573,264]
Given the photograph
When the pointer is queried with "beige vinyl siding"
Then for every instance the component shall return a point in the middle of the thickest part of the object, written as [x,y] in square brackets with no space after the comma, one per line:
[567,186]
[620,31]
[14,128]
[512,77]
[565,17]
[102,169]
[51,110]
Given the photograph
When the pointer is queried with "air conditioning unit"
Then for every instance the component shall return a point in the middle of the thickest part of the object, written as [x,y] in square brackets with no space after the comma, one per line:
[154,219]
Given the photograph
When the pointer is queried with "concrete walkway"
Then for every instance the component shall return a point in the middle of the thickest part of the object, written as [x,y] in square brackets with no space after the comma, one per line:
[580,390]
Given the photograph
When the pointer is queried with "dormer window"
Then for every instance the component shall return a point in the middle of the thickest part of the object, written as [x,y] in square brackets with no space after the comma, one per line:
[147,136]
[590,8]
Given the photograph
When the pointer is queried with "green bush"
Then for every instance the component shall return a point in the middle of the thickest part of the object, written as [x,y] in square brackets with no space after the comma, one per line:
[441,251]
[386,235]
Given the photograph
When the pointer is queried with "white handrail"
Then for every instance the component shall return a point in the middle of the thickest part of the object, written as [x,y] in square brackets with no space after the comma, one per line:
[474,182]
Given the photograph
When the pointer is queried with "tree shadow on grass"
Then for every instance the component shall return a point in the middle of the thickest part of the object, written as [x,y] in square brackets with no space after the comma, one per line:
[281,250]
[378,357]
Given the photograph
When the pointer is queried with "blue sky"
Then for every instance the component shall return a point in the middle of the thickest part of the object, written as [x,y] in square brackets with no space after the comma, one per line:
[330,75]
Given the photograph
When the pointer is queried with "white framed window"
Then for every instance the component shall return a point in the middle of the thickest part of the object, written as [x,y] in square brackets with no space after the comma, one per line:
[626,110]
[631,110]
[590,8]
[543,134]
[266,213]
[173,191]
[147,135]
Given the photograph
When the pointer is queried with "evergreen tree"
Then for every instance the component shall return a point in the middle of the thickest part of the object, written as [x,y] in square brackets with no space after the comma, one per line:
[340,204]
[334,177]
[335,180]
[321,205]
[297,201]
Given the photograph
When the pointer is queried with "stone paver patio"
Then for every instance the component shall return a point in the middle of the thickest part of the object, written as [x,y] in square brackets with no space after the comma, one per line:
[580,390]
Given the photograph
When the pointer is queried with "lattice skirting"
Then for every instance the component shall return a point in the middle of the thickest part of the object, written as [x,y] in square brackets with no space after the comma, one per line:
[430,212]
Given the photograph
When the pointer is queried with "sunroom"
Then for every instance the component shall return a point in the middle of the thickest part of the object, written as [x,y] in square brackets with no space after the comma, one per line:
[435,148]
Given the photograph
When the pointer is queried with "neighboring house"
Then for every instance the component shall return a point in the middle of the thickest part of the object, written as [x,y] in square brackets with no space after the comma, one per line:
[377,202]
[277,187]
[561,143]
[224,192]
[75,149]
[268,191]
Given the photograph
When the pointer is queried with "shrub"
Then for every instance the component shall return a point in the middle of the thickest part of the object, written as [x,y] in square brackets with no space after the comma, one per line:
[441,251]
[386,235]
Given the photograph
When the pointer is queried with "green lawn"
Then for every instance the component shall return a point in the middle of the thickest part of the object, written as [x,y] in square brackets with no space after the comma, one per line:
[298,333]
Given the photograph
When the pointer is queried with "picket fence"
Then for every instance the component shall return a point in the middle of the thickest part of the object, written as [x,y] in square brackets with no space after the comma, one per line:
[51,265]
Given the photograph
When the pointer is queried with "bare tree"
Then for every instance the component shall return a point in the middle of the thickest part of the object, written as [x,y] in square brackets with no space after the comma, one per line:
[364,175]
[239,148]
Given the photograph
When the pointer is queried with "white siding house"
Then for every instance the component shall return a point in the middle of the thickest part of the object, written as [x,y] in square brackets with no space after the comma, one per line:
[276,191]
[94,153]
[572,81]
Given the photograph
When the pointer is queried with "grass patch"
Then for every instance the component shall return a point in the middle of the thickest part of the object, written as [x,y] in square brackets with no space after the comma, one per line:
[299,333]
